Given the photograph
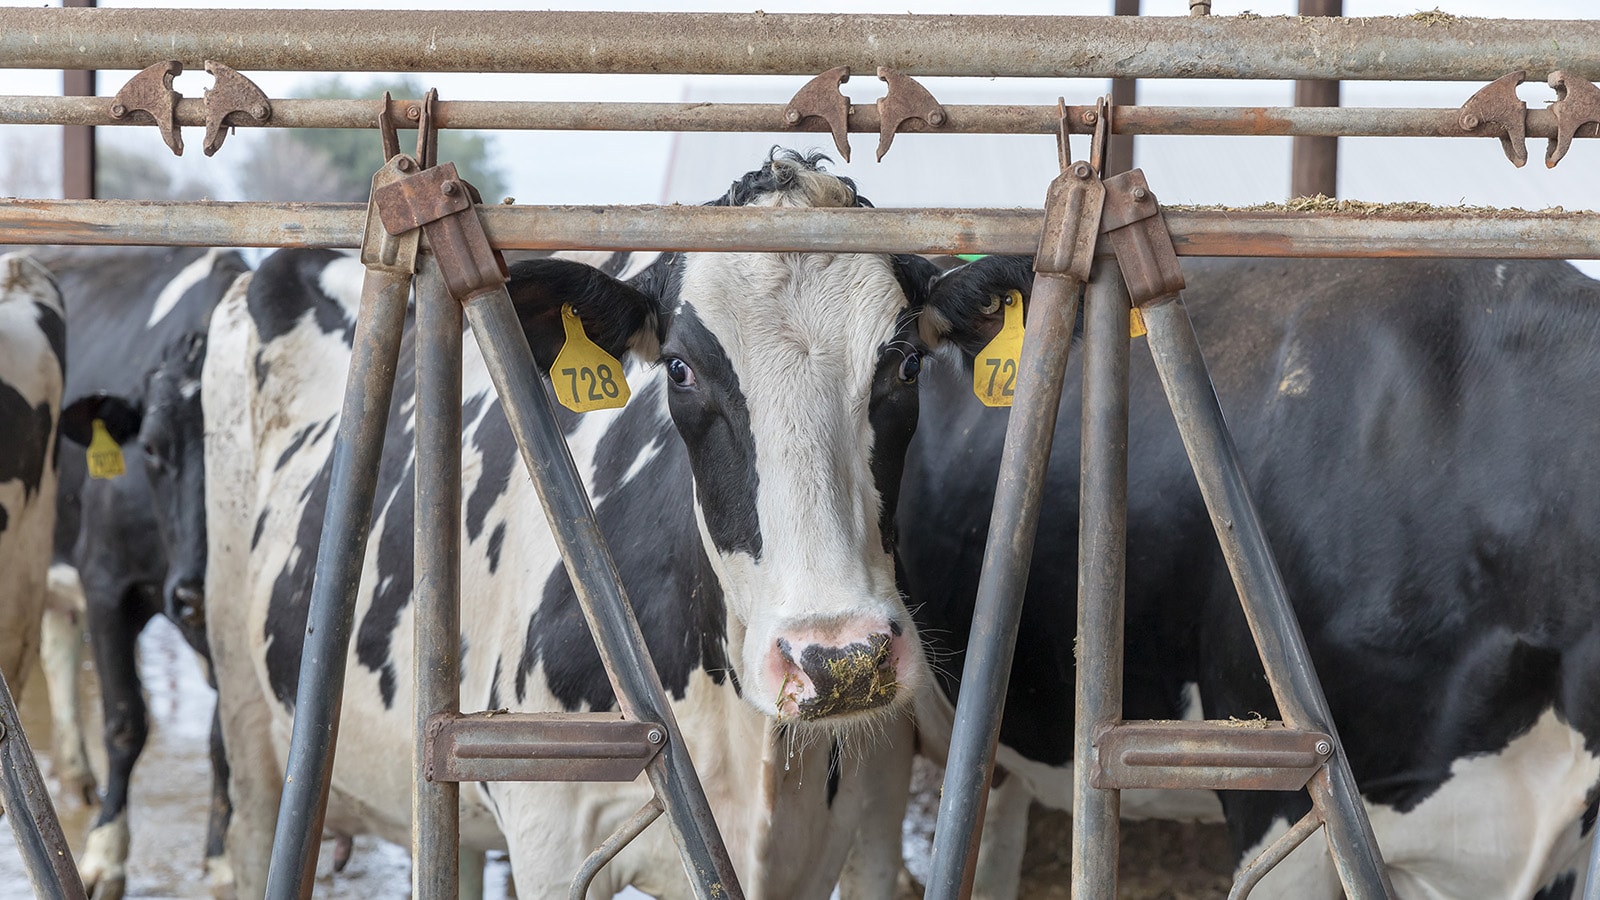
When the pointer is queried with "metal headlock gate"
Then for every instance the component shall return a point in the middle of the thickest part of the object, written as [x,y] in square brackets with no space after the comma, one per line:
[1136,266]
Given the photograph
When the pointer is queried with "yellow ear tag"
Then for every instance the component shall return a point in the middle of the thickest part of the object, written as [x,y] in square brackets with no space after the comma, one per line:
[1136,323]
[586,378]
[994,372]
[105,457]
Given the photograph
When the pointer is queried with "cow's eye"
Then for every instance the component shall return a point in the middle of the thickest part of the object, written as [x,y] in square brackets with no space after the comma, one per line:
[910,366]
[679,372]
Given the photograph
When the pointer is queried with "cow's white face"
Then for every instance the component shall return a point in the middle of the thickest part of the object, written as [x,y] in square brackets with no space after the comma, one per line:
[772,362]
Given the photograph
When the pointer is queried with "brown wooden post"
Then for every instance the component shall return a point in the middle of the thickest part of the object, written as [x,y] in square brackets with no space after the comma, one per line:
[1315,163]
[77,141]
[1124,92]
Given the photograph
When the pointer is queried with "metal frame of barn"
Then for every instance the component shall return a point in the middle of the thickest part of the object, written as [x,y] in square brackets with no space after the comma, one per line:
[470,748]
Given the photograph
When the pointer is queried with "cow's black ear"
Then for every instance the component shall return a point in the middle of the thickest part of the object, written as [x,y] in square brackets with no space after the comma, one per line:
[122,417]
[615,315]
[963,305]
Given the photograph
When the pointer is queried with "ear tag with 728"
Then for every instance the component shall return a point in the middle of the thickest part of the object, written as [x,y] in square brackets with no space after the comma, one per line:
[586,378]
[994,372]
[104,456]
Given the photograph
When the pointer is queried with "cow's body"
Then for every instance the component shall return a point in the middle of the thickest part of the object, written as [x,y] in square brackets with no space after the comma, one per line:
[1420,438]
[749,537]
[127,308]
[32,372]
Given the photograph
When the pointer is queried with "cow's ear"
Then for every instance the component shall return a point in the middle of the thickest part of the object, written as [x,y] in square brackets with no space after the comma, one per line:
[963,304]
[615,315]
[122,417]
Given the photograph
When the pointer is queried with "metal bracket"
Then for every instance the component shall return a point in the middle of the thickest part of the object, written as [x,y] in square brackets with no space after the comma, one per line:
[539,747]
[905,101]
[1221,756]
[821,98]
[1577,105]
[381,249]
[1139,237]
[439,202]
[232,96]
[1497,110]
[149,97]
[1101,138]
[1072,208]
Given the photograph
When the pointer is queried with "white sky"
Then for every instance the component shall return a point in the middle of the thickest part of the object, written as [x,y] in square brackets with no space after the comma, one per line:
[596,167]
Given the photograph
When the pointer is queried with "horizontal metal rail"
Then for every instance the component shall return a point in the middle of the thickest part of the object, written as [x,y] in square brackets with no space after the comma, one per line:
[537,115]
[1401,230]
[1423,47]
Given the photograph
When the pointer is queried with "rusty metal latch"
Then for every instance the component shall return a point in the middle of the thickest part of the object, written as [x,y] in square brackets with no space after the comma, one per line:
[1220,756]
[822,99]
[233,96]
[381,250]
[148,97]
[539,747]
[905,101]
[1497,110]
[1577,105]
[1072,210]
[1139,237]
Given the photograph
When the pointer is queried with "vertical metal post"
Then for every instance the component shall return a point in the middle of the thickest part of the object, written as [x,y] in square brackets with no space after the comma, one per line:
[77,141]
[1124,92]
[435,809]
[1591,886]
[997,611]
[1102,575]
[357,448]
[1261,590]
[1314,166]
[599,588]
[51,871]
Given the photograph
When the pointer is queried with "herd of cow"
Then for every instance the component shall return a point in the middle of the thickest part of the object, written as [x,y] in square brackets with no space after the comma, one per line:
[797,496]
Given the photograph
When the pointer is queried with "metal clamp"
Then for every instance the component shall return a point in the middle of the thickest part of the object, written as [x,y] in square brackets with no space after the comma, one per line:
[821,98]
[149,97]
[1577,105]
[1224,756]
[233,95]
[439,202]
[1139,237]
[1072,209]
[1497,110]
[380,248]
[905,101]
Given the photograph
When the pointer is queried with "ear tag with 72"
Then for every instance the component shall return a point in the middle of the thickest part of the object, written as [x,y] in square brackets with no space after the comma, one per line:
[586,378]
[994,372]
[104,456]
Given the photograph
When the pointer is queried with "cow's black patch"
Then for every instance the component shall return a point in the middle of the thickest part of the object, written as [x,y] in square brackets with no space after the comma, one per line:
[780,179]
[288,287]
[285,626]
[5,518]
[261,525]
[497,539]
[834,770]
[300,438]
[493,441]
[1560,888]
[26,447]
[54,328]
[892,409]
[1589,813]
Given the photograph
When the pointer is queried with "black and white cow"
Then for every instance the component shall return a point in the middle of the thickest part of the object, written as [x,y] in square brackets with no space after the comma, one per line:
[133,314]
[1421,439]
[748,491]
[32,373]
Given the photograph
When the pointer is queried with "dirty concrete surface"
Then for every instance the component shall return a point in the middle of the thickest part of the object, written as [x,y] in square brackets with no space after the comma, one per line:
[169,797]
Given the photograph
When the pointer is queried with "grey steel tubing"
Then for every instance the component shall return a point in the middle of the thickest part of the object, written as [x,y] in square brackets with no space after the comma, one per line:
[997,609]
[1261,590]
[1102,575]
[435,809]
[46,858]
[607,851]
[554,115]
[357,448]
[1274,47]
[1363,231]
[599,590]
[1276,852]
[1591,885]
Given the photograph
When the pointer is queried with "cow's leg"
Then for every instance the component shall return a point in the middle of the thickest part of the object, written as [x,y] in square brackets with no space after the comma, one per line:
[61,656]
[876,858]
[1005,837]
[117,617]
[218,872]
[254,774]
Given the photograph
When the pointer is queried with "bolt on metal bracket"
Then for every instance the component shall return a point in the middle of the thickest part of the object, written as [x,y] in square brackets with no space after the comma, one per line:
[821,98]
[233,96]
[440,203]
[1497,110]
[905,101]
[1577,105]
[381,249]
[1072,210]
[1139,237]
[148,97]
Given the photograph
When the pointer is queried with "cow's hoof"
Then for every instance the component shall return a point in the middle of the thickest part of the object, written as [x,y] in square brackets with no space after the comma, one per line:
[342,846]
[220,875]
[107,888]
[81,787]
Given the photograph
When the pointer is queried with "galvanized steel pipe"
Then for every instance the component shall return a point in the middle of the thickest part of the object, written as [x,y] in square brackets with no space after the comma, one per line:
[45,856]
[1402,48]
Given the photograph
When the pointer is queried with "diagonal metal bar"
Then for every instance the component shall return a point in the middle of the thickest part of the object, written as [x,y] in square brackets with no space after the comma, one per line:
[435,809]
[1261,590]
[1276,852]
[1030,430]
[599,589]
[26,802]
[357,447]
[613,845]
[1102,575]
